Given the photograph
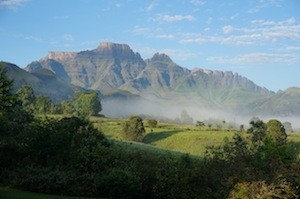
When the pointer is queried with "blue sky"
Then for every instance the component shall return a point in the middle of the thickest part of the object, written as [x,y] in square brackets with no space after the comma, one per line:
[259,39]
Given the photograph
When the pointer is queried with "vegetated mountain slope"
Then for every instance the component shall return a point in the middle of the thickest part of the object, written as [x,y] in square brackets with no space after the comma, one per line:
[283,103]
[221,89]
[43,81]
[116,67]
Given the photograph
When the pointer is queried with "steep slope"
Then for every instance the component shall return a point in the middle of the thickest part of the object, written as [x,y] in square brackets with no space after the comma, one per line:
[43,81]
[221,89]
[283,103]
[116,68]
[106,67]
[161,75]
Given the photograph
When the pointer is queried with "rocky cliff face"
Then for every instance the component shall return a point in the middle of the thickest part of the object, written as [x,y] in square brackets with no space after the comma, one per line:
[229,80]
[116,67]
[61,56]
[106,67]
[112,66]
[160,75]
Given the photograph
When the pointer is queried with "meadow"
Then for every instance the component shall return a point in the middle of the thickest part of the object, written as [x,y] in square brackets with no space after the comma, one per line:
[175,138]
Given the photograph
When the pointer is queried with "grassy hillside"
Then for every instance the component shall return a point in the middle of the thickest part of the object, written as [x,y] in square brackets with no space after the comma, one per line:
[42,81]
[180,138]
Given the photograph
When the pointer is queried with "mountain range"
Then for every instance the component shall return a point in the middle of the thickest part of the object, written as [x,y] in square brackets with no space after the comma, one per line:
[122,76]
[42,81]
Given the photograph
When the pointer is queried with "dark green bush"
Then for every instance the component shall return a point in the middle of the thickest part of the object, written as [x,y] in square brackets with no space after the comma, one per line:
[121,184]
[134,129]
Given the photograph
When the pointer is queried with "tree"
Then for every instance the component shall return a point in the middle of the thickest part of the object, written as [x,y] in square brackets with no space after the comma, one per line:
[27,97]
[242,129]
[42,104]
[276,131]
[200,124]
[7,98]
[12,114]
[152,123]
[209,126]
[13,119]
[134,129]
[87,104]
[67,108]
[257,132]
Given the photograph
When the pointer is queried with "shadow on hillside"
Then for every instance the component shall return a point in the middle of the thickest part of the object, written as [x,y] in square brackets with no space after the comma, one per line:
[153,137]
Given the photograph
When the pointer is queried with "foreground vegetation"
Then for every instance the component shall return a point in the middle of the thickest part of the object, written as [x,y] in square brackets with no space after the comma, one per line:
[9,193]
[71,156]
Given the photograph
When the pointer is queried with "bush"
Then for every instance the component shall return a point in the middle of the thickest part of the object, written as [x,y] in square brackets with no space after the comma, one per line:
[134,129]
[152,123]
[261,189]
[120,184]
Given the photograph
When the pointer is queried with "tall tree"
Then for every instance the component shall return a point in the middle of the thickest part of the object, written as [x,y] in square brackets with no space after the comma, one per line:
[257,132]
[27,97]
[42,104]
[134,129]
[67,108]
[7,98]
[276,131]
[87,104]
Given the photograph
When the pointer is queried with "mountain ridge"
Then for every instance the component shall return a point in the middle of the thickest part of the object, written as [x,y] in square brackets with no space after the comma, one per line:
[113,66]
[43,81]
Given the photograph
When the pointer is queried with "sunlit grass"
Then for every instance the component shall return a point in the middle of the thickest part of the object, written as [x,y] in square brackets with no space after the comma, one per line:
[179,138]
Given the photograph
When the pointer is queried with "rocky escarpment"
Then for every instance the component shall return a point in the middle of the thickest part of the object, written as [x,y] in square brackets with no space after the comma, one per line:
[115,67]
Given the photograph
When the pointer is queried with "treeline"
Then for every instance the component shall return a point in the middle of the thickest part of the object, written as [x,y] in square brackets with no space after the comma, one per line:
[70,157]
[82,103]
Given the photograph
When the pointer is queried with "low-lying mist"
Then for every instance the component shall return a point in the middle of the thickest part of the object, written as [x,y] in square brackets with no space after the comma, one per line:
[165,110]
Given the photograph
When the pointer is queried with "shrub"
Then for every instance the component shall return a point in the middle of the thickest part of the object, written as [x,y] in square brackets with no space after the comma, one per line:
[120,184]
[152,123]
[261,189]
[134,129]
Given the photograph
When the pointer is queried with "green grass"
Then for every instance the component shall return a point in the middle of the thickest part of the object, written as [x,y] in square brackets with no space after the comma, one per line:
[9,193]
[176,138]
[173,137]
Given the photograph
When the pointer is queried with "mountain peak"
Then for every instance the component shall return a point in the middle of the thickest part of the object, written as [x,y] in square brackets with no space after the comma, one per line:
[109,46]
[161,57]
[116,50]
[60,56]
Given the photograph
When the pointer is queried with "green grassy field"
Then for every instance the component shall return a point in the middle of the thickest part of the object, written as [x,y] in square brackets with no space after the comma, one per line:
[179,138]
[173,138]
[9,193]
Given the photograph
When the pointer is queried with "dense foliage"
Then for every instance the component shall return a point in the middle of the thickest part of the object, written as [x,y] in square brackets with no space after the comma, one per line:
[69,156]
[87,104]
[152,123]
[134,129]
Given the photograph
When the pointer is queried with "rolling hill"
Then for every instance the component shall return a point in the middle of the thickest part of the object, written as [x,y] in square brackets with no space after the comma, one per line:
[43,81]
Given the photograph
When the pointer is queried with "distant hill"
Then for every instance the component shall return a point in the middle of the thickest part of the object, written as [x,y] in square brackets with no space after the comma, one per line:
[42,80]
[283,103]
[115,67]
